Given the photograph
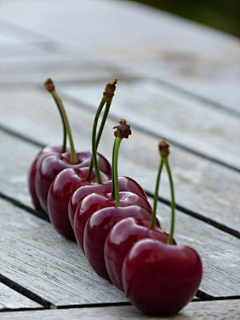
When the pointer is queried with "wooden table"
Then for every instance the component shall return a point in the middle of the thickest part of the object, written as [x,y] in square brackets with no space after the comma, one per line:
[177,80]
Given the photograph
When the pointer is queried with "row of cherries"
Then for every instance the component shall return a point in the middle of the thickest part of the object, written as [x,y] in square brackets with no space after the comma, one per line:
[111,218]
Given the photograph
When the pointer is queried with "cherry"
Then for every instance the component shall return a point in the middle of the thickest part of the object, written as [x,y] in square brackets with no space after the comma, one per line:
[96,201]
[126,233]
[52,164]
[41,155]
[62,188]
[33,169]
[100,223]
[124,184]
[121,239]
[158,278]
[97,228]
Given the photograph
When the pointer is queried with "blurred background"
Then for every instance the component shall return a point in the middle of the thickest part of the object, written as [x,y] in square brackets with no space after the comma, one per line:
[220,14]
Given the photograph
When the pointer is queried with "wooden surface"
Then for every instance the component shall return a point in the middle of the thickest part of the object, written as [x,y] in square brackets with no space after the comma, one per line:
[177,80]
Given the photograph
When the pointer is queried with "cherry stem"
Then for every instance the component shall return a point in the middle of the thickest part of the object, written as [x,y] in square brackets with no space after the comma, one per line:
[51,88]
[171,233]
[94,146]
[107,98]
[99,135]
[122,131]
[115,185]
[155,203]
[64,142]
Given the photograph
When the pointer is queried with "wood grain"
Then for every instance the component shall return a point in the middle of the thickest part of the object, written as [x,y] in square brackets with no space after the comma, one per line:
[201,185]
[13,300]
[214,310]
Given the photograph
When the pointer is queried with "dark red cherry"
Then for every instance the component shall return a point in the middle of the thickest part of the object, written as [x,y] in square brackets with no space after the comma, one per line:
[97,228]
[51,165]
[33,169]
[160,279]
[121,239]
[95,201]
[62,188]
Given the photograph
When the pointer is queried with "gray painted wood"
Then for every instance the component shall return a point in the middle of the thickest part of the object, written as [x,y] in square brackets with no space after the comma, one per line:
[186,54]
[214,310]
[36,257]
[171,115]
[201,185]
[14,300]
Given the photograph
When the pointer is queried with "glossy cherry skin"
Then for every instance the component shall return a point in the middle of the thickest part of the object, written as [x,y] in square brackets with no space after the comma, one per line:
[96,201]
[51,165]
[97,229]
[33,169]
[160,279]
[121,239]
[125,184]
[61,190]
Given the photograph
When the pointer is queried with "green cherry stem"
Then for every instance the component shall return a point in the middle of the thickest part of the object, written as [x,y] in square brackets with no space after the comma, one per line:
[48,84]
[94,146]
[113,186]
[115,183]
[171,233]
[122,131]
[155,202]
[51,88]
[164,151]
[106,99]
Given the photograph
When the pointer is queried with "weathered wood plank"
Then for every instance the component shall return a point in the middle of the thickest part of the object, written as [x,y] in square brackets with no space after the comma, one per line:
[40,260]
[186,54]
[13,300]
[174,116]
[37,258]
[213,310]
[201,186]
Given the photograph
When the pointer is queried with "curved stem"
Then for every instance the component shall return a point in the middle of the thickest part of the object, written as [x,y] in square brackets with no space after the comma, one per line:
[64,142]
[104,119]
[94,148]
[73,158]
[171,233]
[113,186]
[115,170]
[99,135]
[154,212]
